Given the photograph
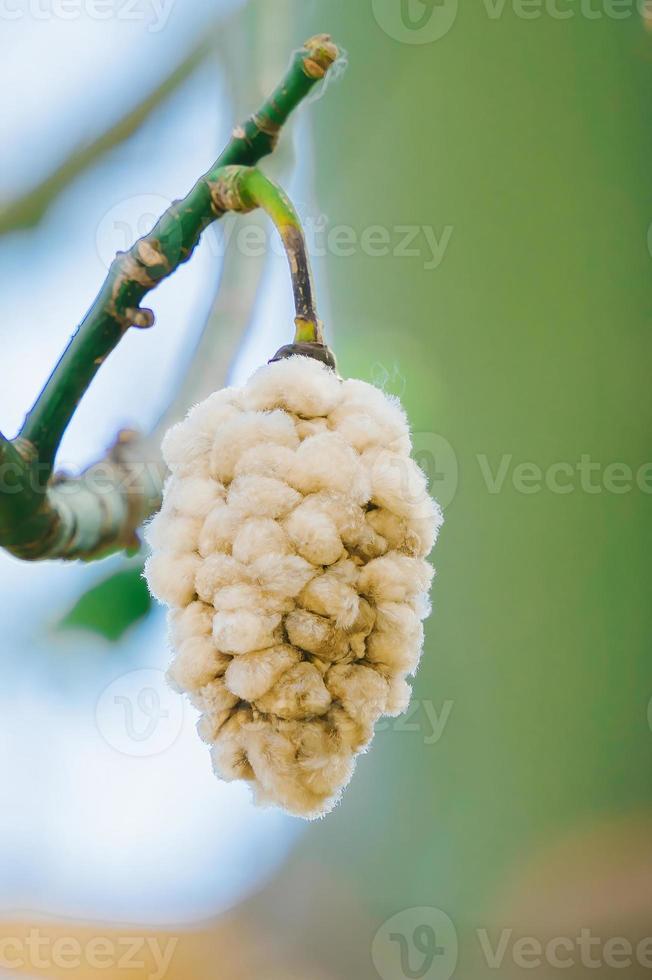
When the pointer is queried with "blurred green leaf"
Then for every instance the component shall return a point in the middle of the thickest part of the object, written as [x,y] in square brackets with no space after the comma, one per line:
[111,606]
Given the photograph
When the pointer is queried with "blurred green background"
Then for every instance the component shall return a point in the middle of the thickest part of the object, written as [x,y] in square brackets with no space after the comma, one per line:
[514,152]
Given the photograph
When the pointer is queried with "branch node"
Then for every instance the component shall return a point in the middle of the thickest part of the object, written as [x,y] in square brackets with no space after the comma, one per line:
[139,317]
[129,269]
[265,124]
[228,191]
[151,255]
[322,52]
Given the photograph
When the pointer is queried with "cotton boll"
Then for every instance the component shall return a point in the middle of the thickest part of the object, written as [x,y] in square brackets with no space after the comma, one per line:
[301,765]
[314,535]
[426,527]
[193,496]
[391,527]
[260,536]
[173,532]
[300,385]
[365,619]
[326,462]
[401,654]
[211,414]
[358,397]
[249,595]
[183,537]
[241,595]
[216,571]
[325,763]
[280,780]
[242,630]
[299,693]
[216,703]
[397,617]
[310,427]
[228,752]
[359,539]
[193,620]
[245,431]
[196,664]
[261,496]
[156,531]
[353,734]
[398,484]
[362,541]
[272,758]
[358,430]
[346,571]
[397,639]
[329,595]
[307,630]
[421,605]
[290,547]
[187,445]
[361,691]
[251,675]
[181,446]
[218,530]
[412,537]
[398,697]
[265,459]
[171,577]
[395,578]
[282,576]
[316,635]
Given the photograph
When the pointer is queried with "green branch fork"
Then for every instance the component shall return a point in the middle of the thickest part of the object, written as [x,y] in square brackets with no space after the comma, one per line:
[46,515]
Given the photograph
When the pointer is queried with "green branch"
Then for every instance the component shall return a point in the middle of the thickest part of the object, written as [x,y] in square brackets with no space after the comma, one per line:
[84,517]
[35,520]
[155,256]
[244,189]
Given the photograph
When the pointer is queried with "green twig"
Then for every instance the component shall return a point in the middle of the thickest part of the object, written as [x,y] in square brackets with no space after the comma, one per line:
[44,517]
[155,256]
[243,189]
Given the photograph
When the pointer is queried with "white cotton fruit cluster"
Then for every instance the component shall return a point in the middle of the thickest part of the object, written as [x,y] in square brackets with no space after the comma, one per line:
[291,551]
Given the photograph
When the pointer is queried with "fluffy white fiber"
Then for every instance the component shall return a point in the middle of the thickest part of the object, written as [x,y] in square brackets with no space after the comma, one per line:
[291,551]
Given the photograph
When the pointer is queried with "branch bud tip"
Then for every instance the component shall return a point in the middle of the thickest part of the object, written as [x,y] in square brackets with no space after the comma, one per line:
[322,52]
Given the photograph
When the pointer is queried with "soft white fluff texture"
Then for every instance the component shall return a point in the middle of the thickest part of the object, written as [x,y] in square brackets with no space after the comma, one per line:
[291,551]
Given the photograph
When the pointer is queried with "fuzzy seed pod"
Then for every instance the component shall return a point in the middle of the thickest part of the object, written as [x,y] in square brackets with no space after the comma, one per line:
[291,551]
